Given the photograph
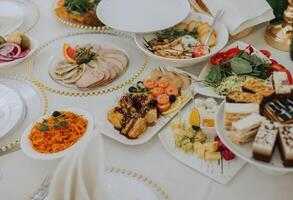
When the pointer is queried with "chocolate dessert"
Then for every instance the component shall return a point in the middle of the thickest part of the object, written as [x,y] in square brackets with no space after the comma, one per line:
[286,144]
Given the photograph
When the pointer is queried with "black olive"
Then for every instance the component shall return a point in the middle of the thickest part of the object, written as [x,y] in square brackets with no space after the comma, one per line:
[56,114]
[132,89]
[172,98]
[153,103]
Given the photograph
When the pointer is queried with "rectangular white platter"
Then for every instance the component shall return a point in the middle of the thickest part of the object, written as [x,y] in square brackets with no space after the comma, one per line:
[107,129]
[220,171]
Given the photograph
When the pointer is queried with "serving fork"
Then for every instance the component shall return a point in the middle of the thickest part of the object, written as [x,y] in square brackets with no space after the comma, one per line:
[43,189]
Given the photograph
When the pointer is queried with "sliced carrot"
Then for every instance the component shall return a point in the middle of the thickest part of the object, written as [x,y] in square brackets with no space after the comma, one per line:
[157,91]
[163,83]
[163,99]
[163,107]
[150,83]
[172,90]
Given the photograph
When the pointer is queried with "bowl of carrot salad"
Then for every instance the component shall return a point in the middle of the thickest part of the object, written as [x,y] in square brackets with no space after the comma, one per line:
[53,135]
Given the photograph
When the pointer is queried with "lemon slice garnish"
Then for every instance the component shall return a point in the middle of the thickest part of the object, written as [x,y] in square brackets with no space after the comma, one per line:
[174,106]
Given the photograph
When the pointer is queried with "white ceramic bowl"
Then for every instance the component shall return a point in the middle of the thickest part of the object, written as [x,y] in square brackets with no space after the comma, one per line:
[34,45]
[26,145]
[222,39]
[275,167]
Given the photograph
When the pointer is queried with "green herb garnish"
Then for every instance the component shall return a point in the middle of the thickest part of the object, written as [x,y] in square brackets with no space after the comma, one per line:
[58,124]
[44,128]
[80,7]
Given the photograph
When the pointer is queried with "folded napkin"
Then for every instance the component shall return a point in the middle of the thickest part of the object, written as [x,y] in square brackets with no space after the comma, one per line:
[241,14]
[80,175]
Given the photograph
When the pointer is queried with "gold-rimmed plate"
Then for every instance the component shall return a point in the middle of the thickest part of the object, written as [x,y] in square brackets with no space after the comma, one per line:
[75,24]
[30,15]
[35,102]
[51,52]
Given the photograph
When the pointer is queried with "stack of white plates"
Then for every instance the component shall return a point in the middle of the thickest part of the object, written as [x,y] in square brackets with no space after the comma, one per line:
[12,110]
[11,17]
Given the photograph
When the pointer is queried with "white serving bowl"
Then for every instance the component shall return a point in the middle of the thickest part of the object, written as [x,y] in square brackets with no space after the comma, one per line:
[34,46]
[26,145]
[222,39]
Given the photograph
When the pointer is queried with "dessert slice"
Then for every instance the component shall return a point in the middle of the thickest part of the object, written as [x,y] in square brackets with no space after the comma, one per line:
[237,111]
[256,86]
[244,97]
[281,83]
[280,110]
[265,141]
[286,144]
[245,129]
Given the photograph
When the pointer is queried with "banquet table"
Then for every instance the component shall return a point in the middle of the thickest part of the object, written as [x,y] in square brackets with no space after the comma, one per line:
[21,175]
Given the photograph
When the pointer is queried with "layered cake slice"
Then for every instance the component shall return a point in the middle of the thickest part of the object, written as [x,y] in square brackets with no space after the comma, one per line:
[281,83]
[244,97]
[244,130]
[265,141]
[280,110]
[286,144]
[256,86]
[237,111]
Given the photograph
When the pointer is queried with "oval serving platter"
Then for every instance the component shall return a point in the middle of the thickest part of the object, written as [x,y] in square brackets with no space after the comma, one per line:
[51,52]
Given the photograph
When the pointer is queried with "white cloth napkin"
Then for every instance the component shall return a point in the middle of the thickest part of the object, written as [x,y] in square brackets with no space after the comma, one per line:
[241,14]
[80,175]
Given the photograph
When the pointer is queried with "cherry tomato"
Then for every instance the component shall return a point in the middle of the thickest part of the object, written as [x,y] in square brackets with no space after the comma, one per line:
[266,53]
[163,107]
[232,52]
[163,99]
[197,54]
[150,83]
[163,83]
[200,50]
[218,58]
[172,90]
[157,91]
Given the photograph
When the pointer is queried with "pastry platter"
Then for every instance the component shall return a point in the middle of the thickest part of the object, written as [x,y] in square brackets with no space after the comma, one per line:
[34,104]
[220,169]
[146,106]
[89,74]
[72,15]
[244,152]
[18,15]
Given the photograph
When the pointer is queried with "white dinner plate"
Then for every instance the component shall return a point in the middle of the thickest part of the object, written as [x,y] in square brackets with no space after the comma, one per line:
[11,17]
[210,91]
[120,184]
[34,100]
[221,171]
[26,145]
[245,151]
[12,108]
[142,16]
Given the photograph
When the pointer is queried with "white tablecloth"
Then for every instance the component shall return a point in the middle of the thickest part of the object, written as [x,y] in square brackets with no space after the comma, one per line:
[20,175]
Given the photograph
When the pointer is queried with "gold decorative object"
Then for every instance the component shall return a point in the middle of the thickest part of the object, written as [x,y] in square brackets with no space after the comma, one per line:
[279,35]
